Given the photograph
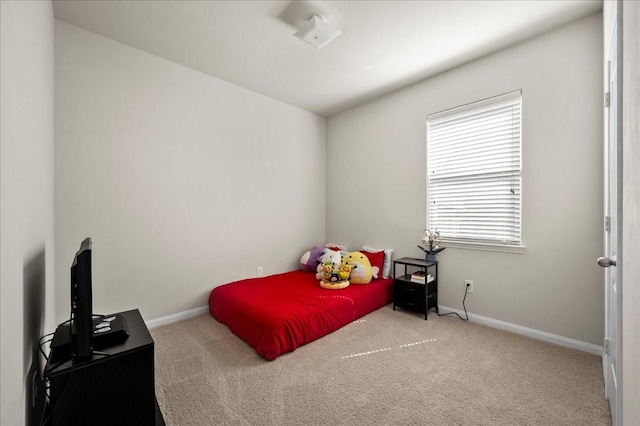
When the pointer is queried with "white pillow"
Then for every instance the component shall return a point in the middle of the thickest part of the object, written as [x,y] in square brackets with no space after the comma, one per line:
[386,266]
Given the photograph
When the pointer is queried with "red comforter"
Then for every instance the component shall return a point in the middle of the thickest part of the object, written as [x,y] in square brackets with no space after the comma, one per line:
[278,313]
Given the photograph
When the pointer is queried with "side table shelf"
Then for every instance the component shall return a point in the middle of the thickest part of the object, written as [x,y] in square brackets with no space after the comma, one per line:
[413,296]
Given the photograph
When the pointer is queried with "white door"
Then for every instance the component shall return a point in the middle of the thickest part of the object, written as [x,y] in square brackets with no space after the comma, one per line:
[613,297]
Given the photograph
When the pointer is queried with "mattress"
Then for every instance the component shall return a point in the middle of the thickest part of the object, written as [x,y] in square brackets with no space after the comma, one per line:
[279,313]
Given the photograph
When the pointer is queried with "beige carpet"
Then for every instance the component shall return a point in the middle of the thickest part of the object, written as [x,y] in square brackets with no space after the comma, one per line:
[389,368]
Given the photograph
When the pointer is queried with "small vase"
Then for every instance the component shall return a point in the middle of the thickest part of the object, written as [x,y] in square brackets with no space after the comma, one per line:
[431,257]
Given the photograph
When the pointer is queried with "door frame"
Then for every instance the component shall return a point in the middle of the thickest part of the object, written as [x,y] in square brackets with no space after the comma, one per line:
[614,36]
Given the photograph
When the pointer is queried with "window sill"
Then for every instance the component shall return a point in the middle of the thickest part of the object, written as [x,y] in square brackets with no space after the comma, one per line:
[484,246]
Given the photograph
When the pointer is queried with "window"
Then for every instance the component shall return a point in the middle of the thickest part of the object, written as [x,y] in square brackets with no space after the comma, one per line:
[474,172]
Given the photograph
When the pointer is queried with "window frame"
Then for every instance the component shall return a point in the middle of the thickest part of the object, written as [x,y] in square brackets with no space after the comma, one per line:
[478,244]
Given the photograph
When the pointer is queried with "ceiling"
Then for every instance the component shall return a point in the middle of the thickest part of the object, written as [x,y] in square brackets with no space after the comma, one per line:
[384,45]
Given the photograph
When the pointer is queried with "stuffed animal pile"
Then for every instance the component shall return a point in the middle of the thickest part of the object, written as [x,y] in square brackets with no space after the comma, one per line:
[337,268]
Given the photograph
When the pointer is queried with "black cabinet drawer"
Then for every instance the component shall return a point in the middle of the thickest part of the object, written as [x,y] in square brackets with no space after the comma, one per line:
[411,296]
[412,305]
[409,287]
[416,295]
[431,288]
[431,301]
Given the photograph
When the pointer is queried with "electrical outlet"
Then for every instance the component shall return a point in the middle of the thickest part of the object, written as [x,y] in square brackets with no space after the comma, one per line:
[259,271]
[468,284]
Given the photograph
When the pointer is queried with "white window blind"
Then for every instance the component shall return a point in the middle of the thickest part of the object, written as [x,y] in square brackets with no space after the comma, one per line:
[474,171]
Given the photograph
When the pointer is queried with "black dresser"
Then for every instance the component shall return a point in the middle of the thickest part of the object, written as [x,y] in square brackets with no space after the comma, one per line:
[116,386]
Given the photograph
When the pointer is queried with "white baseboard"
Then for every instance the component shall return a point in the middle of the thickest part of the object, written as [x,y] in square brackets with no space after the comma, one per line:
[490,322]
[177,317]
[530,332]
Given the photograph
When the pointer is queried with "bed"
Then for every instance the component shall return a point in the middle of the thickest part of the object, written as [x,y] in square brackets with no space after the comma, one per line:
[279,313]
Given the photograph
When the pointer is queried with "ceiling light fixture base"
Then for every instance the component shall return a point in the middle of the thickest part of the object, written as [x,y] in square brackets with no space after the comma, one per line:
[317,33]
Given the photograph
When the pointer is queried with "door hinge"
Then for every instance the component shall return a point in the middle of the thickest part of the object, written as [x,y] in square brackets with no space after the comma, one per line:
[607,223]
[607,99]
[606,346]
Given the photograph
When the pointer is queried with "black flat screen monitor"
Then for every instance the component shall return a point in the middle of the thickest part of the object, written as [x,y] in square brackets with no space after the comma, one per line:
[81,303]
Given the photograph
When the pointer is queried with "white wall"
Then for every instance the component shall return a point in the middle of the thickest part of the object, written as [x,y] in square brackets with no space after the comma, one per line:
[376,158]
[183,181]
[631,214]
[26,198]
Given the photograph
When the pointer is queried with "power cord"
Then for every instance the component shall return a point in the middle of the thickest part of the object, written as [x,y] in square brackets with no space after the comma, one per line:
[41,343]
[44,420]
[466,289]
